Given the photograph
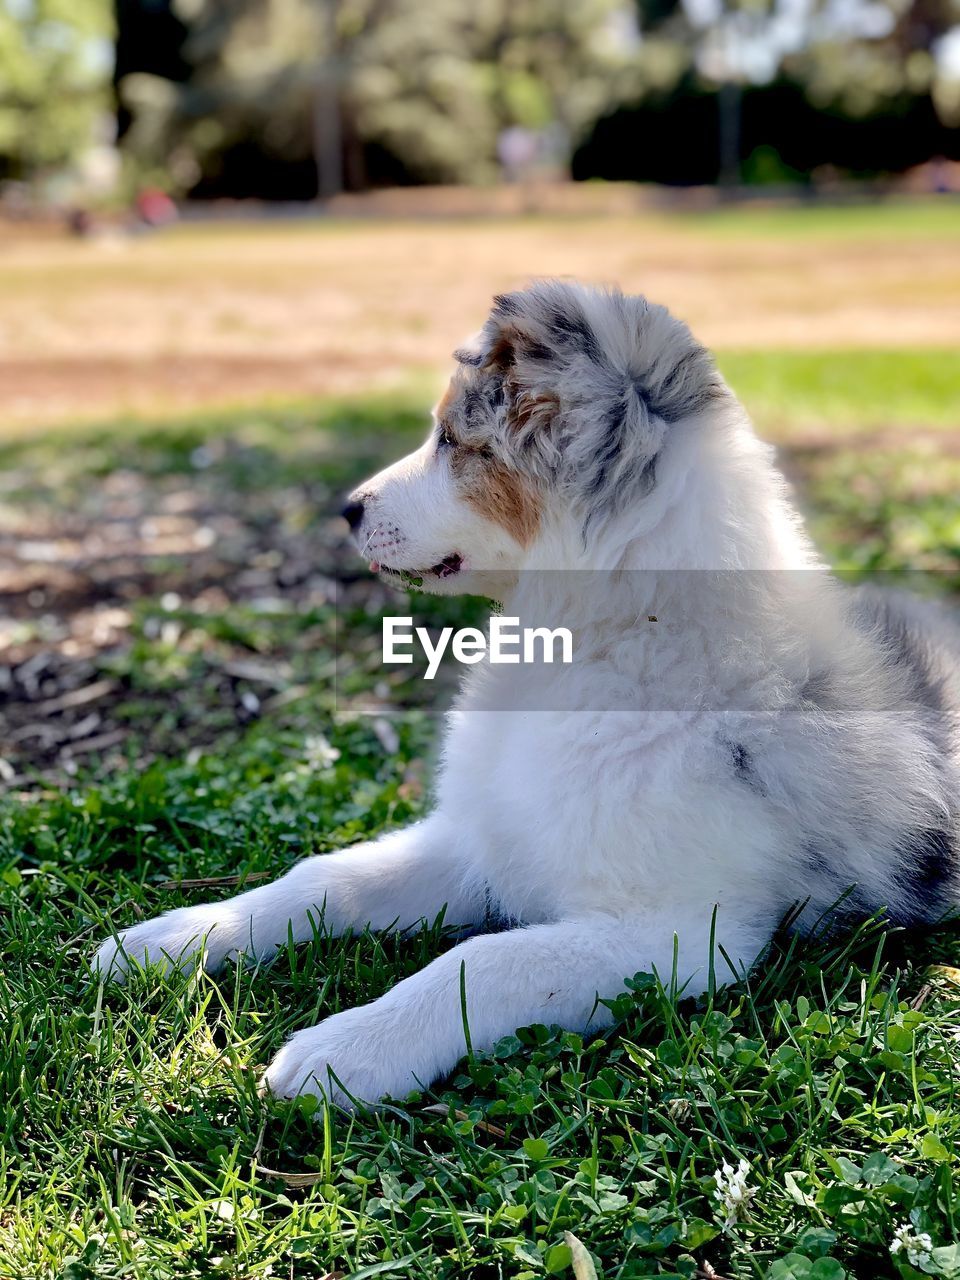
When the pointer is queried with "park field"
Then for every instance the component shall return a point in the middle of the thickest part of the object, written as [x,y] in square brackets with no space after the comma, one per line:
[185,705]
[213,313]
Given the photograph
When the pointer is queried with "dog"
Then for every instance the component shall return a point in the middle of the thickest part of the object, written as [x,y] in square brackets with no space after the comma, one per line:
[740,731]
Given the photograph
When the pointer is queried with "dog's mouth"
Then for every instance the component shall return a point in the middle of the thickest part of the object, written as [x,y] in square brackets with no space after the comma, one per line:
[448,567]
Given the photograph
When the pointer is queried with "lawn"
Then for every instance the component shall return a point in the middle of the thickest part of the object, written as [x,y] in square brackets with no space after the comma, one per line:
[204,314]
[185,701]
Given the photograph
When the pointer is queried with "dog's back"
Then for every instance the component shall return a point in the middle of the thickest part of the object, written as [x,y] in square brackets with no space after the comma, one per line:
[885,727]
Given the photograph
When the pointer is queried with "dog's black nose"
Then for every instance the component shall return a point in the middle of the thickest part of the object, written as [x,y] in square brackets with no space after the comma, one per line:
[353,513]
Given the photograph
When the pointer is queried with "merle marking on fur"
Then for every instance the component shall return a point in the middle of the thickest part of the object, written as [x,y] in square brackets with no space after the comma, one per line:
[777,739]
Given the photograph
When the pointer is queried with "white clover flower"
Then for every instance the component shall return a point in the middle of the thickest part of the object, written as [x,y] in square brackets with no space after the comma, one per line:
[319,754]
[917,1245]
[732,1191]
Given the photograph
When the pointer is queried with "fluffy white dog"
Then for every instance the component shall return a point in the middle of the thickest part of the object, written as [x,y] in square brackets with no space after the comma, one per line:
[738,733]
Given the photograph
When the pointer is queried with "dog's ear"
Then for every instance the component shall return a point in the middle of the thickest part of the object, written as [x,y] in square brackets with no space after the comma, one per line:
[591,381]
[513,347]
[508,337]
[558,377]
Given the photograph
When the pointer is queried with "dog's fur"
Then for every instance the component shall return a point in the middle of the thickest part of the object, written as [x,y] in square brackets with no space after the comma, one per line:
[772,737]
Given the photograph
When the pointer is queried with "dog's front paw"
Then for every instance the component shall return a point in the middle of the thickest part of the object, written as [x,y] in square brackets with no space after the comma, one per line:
[170,942]
[345,1059]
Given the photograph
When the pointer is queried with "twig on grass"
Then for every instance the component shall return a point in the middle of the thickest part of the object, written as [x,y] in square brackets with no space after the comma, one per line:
[292,1179]
[75,697]
[441,1109]
[289,1179]
[922,996]
[102,742]
[206,882]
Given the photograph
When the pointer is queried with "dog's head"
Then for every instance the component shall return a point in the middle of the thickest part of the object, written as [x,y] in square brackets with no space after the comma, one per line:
[553,421]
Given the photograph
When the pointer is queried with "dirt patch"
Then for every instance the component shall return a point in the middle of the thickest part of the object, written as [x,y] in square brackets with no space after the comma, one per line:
[147,612]
[157,563]
[92,573]
[206,314]
[68,389]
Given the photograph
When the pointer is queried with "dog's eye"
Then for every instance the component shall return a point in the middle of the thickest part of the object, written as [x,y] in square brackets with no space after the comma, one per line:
[445,439]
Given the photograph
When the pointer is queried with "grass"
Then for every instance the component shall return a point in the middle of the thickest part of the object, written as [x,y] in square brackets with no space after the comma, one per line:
[910,218]
[135,1144]
[132,1139]
[200,314]
[791,392]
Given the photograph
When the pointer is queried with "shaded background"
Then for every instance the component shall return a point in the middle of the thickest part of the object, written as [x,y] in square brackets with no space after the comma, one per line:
[239,239]
[289,99]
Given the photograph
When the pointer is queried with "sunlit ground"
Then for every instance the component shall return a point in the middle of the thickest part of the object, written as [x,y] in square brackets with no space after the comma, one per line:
[180,414]
[214,313]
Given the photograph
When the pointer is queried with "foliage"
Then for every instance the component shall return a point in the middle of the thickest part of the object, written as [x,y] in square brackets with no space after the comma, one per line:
[882,70]
[438,89]
[798,92]
[132,1139]
[52,80]
[432,84]
[860,63]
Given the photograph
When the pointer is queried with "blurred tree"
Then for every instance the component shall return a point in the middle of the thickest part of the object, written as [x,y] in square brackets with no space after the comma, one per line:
[293,97]
[439,83]
[243,80]
[729,44]
[880,63]
[433,84]
[54,80]
[856,59]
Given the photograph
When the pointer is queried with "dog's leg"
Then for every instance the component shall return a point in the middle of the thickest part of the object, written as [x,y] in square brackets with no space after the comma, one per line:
[396,881]
[549,973]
